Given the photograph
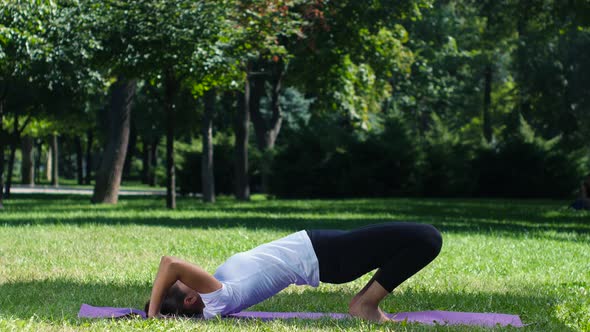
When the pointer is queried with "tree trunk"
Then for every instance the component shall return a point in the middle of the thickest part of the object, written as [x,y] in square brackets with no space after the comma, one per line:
[241,144]
[13,143]
[10,170]
[153,180]
[66,159]
[257,91]
[79,160]
[38,151]
[146,162]
[48,163]
[275,106]
[267,132]
[108,176]
[522,68]
[89,138]
[171,88]
[28,165]
[207,174]
[487,101]
[131,150]
[170,174]
[2,140]
[54,161]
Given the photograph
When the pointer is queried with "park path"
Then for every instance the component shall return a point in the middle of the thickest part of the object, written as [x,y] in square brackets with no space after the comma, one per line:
[20,189]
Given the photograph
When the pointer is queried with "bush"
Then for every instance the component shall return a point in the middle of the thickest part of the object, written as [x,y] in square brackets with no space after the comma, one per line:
[444,167]
[527,170]
[189,174]
[336,163]
[321,162]
[523,165]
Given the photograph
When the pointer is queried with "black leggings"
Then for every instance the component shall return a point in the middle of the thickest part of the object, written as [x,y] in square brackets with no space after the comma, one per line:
[398,250]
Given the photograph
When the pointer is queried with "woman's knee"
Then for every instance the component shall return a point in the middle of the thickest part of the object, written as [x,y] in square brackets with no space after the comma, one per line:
[431,239]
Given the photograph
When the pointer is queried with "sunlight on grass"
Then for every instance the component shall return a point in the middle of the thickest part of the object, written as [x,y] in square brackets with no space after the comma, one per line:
[56,252]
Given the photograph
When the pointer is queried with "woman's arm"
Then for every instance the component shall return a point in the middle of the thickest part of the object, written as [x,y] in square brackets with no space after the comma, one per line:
[173,269]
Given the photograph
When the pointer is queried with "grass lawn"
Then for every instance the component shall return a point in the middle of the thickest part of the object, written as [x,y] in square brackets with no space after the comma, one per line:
[530,258]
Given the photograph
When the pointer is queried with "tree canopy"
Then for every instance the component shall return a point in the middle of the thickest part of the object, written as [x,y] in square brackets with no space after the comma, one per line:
[444,86]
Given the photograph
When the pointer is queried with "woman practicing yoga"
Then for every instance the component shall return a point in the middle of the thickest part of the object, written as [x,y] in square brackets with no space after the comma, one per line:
[396,250]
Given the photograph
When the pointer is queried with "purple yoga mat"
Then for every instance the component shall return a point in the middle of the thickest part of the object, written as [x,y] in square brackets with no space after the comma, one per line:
[88,311]
[423,317]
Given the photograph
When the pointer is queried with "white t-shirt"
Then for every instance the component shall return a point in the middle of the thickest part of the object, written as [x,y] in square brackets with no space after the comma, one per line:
[253,276]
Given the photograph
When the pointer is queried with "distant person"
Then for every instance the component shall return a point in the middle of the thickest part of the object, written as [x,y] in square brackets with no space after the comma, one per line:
[583,201]
[397,250]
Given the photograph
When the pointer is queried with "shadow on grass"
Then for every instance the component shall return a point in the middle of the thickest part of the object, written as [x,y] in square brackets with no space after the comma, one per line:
[60,300]
[449,215]
[294,224]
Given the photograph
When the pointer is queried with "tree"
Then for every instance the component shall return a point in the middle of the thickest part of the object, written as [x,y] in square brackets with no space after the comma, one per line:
[492,40]
[267,130]
[109,26]
[207,175]
[108,176]
[186,30]
[198,23]
[28,166]
[15,137]
[548,67]
[242,185]
[44,51]
[23,52]
[148,99]
[445,79]
[261,27]
[77,85]
[353,55]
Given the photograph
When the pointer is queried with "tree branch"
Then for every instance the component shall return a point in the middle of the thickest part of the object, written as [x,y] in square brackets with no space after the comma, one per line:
[27,120]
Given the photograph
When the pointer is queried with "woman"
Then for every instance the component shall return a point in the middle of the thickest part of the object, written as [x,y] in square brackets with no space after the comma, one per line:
[397,250]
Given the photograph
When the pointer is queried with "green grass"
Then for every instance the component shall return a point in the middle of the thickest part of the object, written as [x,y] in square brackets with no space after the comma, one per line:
[530,258]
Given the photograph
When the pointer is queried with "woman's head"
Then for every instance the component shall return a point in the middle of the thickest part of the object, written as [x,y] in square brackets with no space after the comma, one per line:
[180,300]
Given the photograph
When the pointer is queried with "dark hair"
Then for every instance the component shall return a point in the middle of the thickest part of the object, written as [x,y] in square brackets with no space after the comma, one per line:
[173,304]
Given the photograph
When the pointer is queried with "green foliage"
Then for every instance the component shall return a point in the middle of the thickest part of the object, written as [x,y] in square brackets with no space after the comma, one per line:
[149,111]
[527,165]
[189,161]
[444,169]
[46,70]
[445,75]
[335,162]
[295,109]
[421,62]
[352,53]
[259,26]
[386,53]
[133,34]
[22,31]
[357,92]
[528,136]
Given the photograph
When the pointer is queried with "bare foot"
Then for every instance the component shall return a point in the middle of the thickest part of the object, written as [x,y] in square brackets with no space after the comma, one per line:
[354,300]
[358,308]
